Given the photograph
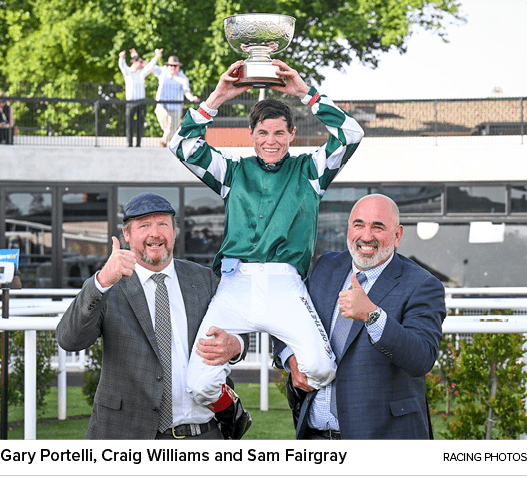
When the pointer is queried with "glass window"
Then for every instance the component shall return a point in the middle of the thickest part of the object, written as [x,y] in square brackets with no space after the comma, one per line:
[519,199]
[124,194]
[416,199]
[204,223]
[335,210]
[84,236]
[476,199]
[28,228]
[458,263]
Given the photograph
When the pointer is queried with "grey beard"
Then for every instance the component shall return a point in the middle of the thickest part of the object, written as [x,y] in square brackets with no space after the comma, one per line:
[367,263]
[148,260]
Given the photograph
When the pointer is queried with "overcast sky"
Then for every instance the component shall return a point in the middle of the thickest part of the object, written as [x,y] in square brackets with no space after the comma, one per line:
[488,51]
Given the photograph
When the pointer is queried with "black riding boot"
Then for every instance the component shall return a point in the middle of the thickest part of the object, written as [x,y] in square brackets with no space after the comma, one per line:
[234,420]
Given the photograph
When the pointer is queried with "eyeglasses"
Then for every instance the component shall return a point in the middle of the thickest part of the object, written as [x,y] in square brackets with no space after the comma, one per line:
[173,66]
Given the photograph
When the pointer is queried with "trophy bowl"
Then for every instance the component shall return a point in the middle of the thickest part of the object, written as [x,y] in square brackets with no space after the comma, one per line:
[259,35]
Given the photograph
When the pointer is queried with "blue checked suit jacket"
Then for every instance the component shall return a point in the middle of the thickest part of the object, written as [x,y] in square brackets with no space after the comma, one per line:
[128,397]
[381,388]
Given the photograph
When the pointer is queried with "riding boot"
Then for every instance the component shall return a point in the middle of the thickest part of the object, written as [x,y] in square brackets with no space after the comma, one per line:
[233,419]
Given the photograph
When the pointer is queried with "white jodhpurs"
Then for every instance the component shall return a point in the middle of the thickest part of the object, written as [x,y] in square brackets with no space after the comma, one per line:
[264,297]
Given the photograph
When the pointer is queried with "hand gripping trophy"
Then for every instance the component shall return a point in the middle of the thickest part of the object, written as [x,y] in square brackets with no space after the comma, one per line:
[259,35]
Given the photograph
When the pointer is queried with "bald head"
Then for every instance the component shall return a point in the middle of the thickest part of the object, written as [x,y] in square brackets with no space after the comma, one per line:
[373,230]
[378,201]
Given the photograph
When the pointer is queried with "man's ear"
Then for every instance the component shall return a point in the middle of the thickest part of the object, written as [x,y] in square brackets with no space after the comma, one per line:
[399,234]
[126,235]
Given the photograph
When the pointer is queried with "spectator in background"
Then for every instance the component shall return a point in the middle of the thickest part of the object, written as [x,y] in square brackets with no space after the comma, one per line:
[7,121]
[173,86]
[134,80]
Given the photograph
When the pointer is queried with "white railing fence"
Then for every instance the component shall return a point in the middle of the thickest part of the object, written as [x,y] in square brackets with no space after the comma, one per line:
[27,314]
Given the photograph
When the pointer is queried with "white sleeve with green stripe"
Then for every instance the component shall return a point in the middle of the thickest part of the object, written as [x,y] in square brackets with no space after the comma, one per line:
[345,136]
[207,163]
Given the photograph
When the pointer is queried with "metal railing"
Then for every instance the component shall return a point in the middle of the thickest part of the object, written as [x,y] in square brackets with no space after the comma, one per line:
[101,121]
[43,314]
[483,299]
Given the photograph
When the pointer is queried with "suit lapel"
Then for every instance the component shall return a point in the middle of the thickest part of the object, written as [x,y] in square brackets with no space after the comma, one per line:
[383,285]
[386,281]
[133,290]
[335,282]
[189,291]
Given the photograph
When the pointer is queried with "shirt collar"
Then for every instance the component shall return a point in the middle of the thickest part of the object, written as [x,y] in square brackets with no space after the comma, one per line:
[373,274]
[144,274]
[274,167]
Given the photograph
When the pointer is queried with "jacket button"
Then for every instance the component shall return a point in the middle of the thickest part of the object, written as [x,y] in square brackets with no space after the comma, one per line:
[155,409]
[159,379]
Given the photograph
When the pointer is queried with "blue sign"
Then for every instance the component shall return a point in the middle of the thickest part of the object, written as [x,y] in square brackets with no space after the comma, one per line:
[10,255]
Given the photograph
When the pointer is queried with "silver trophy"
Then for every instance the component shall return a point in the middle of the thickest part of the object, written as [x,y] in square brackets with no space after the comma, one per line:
[259,35]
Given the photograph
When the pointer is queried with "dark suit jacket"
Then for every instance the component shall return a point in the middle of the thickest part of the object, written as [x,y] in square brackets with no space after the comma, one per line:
[128,397]
[381,388]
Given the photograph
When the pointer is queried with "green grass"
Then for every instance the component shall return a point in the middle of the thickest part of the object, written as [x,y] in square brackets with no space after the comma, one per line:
[275,424]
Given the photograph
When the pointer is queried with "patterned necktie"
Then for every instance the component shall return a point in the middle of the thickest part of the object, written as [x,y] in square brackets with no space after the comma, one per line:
[164,342]
[338,340]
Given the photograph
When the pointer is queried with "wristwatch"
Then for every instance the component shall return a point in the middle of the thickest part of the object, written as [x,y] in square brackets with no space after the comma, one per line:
[373,316]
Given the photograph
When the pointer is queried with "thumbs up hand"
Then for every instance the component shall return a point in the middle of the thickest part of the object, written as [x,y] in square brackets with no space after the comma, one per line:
[354,303]
[120,263]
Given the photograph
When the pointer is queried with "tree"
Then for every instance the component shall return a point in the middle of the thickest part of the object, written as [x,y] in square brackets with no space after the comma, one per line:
[491,389]
[59,43]
[46,348]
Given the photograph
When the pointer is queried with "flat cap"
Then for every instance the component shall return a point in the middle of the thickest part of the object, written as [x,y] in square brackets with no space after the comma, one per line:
[145,204]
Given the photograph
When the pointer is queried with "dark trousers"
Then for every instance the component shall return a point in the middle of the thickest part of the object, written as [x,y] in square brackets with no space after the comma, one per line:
[134,108]
[6,135]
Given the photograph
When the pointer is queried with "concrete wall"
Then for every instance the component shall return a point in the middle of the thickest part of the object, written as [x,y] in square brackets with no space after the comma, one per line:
[488,158]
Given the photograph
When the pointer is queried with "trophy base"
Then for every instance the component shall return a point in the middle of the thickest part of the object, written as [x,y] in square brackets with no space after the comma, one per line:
[259,75]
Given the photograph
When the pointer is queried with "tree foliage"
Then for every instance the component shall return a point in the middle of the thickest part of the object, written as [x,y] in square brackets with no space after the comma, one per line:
[51,46]
[489,384]
[46,348]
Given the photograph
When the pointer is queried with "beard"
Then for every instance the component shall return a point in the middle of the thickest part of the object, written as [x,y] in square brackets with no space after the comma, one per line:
[369,262]
[155,262]
[145,257]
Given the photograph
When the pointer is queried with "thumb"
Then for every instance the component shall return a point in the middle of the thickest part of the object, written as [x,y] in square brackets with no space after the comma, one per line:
[115,244]
[212,331]
[354,282]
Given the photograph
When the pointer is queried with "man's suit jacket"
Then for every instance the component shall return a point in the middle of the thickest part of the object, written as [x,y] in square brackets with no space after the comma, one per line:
[127,401]
[381,388]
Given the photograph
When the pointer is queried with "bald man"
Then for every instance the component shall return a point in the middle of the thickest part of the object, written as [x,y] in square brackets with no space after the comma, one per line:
[383,314]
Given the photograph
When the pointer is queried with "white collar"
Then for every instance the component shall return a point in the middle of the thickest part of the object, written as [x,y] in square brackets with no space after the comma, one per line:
[144,274]
[375,272]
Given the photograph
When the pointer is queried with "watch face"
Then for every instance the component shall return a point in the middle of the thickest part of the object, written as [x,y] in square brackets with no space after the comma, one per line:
[372,317]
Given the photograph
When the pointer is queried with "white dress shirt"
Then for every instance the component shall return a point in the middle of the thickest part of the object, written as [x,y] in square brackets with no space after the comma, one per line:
[184,409]
[134,81]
